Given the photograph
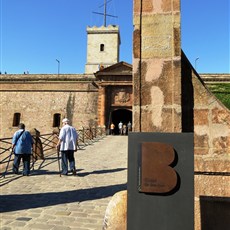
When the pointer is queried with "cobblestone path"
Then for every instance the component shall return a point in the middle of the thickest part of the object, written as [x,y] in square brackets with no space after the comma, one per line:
[44,200]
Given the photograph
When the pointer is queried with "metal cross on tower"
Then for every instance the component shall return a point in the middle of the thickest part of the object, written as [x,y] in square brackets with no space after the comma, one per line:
[105,12]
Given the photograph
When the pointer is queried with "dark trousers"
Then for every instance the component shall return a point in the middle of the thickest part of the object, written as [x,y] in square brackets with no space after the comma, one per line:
[26,163]
[65,157]
[112,131]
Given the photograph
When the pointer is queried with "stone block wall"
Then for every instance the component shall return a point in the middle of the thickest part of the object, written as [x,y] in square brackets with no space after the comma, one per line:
[169,96]
[109,37]
[38,98]
[156,66]
[210,122]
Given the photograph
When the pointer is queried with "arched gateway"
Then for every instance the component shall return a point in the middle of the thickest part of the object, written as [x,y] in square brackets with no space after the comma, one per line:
[123,115]
[115,94]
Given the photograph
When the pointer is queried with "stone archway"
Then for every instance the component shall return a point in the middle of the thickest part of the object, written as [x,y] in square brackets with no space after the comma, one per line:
[123,115]
[115,94]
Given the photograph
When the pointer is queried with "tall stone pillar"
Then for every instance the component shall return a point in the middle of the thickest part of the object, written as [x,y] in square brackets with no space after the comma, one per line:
[101,106]
[157,66]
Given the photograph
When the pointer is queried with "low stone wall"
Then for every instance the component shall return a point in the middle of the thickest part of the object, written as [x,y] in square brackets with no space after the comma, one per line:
[211,78]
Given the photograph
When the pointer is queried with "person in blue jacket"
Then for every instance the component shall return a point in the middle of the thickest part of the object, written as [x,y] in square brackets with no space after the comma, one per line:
[22,144]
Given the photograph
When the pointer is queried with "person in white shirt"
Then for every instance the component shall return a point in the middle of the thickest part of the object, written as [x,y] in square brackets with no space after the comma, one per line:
[120,126]
[67,144]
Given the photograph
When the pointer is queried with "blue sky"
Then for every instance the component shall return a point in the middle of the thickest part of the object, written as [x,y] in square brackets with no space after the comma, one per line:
[206,34]
[34,33]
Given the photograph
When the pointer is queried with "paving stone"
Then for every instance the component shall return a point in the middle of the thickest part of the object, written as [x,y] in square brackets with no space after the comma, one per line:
[23,218]
[40,226]
[75,203]
[6,228]
[17,224]
[56,222]
[63,213]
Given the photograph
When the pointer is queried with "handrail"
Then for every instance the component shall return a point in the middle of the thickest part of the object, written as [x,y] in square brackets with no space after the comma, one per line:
[45,144]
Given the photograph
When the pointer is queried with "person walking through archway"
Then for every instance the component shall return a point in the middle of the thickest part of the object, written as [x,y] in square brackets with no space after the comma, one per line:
[124,129]
[120,126]
[129,126]
[112,127]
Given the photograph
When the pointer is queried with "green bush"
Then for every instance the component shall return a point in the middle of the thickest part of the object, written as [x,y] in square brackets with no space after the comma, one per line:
[222,92]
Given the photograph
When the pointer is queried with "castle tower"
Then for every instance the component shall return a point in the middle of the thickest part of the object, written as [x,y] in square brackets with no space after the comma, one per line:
[103,45]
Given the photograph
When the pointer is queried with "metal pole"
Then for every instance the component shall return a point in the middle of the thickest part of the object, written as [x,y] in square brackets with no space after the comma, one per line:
[105,13]
[58,66]
[58,158]
[4,174]
[196,62]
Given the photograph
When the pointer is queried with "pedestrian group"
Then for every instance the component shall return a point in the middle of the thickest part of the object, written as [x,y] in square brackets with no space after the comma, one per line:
[123,128]
[22,144]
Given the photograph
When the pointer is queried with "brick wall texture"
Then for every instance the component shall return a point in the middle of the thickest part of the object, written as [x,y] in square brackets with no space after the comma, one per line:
[37,98]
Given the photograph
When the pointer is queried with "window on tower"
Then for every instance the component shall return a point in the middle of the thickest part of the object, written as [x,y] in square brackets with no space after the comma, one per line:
[102,47]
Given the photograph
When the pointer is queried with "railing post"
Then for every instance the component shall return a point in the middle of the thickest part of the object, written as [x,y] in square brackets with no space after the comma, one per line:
[91,133]
[83,135]
[37,146]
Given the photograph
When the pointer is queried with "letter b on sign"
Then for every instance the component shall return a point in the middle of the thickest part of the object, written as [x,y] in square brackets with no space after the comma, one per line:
[156,172]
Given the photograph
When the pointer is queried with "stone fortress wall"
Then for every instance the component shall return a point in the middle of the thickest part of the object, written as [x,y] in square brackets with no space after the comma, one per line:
[210,121]
[38,97]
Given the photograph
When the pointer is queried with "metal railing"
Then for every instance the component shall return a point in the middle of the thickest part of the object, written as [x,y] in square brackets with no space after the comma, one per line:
[89,135]
[45,145]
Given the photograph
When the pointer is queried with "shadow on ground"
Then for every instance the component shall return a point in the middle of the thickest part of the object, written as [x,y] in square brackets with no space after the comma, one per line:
[17,202]
[100,171]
